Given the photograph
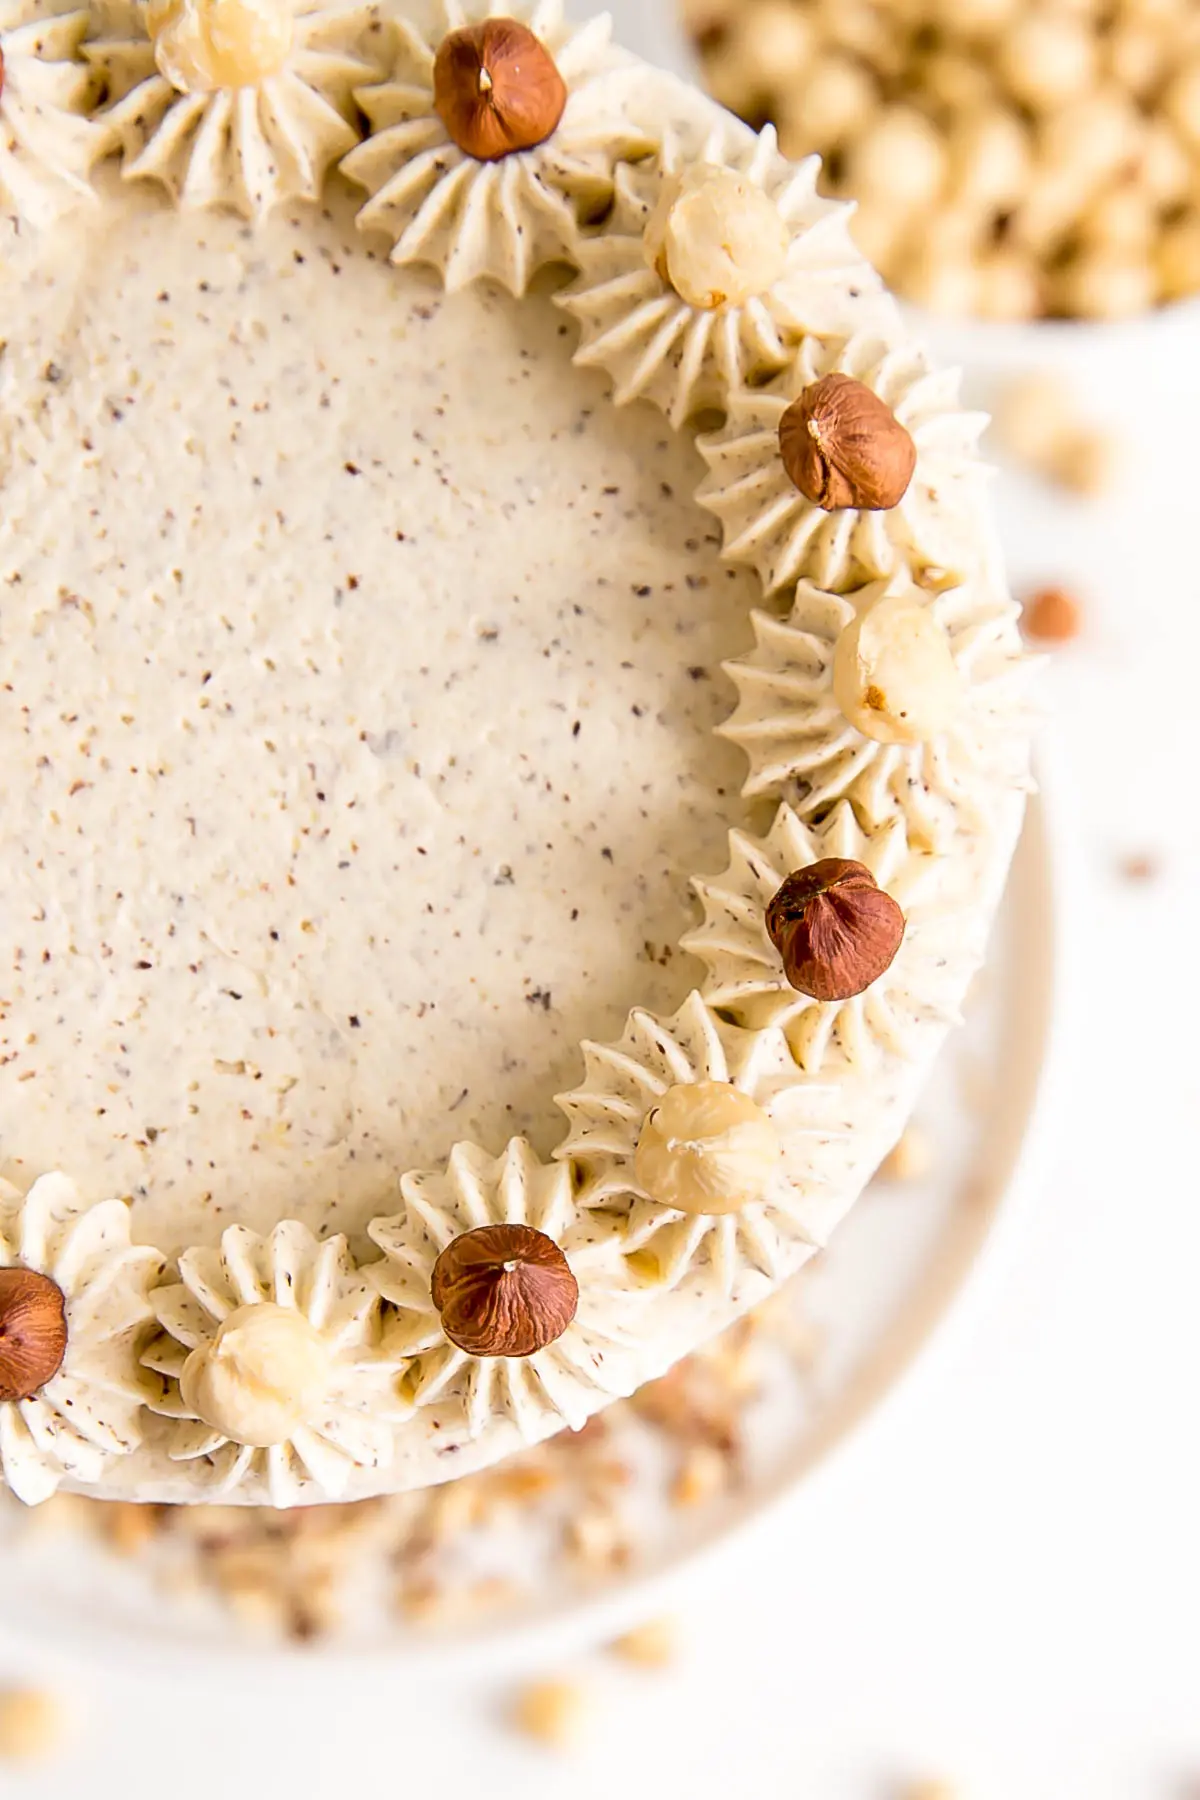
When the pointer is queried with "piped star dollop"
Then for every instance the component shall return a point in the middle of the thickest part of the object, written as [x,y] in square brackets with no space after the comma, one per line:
[215,137]
[918,993]
[87,1414]
[316,1391]
[937,529]
[503,218]
[47,142]
[689,351]
[623,1083]
[566,1380]
[803,749]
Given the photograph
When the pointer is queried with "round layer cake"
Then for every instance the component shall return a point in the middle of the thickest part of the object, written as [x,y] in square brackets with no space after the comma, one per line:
[514,734]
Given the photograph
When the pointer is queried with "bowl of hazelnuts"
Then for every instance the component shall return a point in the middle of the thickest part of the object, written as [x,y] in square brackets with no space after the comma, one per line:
[1012,161]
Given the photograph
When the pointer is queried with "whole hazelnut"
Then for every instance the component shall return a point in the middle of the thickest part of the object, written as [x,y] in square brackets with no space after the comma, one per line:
[716,237]
[263,1375]
[835,928]
[497,89]
[843,446]
[894,674]
[33,1332]
[504,1290]
[706,1148]
[201,46]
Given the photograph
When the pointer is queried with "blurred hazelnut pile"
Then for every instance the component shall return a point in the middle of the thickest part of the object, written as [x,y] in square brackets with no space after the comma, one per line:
[1011,159]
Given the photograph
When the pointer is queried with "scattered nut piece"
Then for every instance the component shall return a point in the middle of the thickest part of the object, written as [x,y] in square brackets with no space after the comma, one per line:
[1052,616]
[702,1475]
[844,447]
[652,1645]
[504,1290]
[706,1148]
[497,89]
[32,1724]
[1038,420]
[552,1712]
[1140,867]
[911,1158]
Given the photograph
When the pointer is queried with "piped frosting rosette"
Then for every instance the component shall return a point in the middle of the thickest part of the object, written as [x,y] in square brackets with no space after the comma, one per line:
[593,1359]
[783,1191]
[47,141]
[719,260]
[747,981]
[271,1369]
[241,104]
[73,1308]
[942,780]
[936,528]
[477,209]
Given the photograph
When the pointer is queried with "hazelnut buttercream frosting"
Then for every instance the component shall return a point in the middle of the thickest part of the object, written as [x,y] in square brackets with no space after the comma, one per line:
[514,731]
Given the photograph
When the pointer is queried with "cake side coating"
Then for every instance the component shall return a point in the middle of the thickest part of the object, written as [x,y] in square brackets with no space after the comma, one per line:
[285,1367]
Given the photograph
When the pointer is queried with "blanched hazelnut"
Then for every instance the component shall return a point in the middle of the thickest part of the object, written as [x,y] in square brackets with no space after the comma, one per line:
[1165,169]
[264,1373]
[203,45]
[1178,262]
[1009,286]
[1181,103]
[1092,138]
[1046,58]
[990,157]
[1103,285]
[771,43]
[716,237]
[823,108]
[900,157]
[706,1147]
[1119,219]
[894,675]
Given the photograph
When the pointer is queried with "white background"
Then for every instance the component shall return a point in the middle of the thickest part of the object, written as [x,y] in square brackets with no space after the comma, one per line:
[1001,1583]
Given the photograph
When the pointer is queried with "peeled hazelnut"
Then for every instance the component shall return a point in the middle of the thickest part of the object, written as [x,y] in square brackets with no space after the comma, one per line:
[894,674]
[497,89]
[716,237]
[706,1148]
[33,1332]
[504,1290]
[836,930]
[203,45]
[843,446]
[265,1373]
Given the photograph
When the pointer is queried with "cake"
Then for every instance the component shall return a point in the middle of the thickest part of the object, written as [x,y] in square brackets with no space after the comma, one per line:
[514,727]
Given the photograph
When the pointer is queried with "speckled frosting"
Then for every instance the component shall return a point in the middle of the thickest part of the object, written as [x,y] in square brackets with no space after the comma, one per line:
[400,734]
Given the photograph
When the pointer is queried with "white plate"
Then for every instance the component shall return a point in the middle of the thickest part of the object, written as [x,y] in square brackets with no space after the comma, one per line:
[898,1267]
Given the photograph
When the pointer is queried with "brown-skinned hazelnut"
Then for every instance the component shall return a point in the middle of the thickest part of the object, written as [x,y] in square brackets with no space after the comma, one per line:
[497,89]
[835,928]
[504,1290]
[33,1332]
[843,446]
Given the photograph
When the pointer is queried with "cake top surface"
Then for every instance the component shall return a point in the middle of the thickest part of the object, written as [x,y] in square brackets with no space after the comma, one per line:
[375,688]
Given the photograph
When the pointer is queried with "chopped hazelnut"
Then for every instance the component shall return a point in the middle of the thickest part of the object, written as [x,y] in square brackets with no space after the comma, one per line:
[552,1712]
[32,1724]
[1052,616]
[653,1645]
